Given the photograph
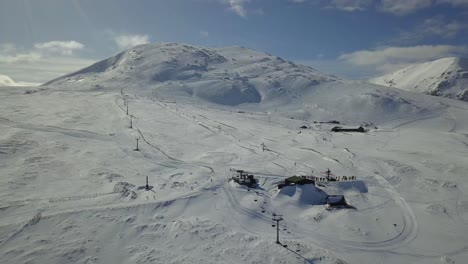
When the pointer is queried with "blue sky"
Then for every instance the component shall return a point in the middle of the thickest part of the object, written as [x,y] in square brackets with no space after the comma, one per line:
[43,39]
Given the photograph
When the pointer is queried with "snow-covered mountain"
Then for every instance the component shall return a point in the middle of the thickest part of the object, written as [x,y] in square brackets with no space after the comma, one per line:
[75,155]
[234,76]
[446,77]
[227,76]
[6,81]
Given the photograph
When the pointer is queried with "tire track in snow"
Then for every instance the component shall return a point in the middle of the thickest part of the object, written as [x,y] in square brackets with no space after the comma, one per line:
[321,154]
[236,140]
[457,208]
[406,235]
[207,126]
[255,215]
[455,121]
[417,117]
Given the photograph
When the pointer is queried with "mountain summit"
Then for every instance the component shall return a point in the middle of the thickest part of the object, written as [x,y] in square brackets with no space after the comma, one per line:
[446,77]
[241,77]
[229,76]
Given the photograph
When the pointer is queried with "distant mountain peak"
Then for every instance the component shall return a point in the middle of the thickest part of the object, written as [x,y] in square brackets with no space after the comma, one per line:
[447,77]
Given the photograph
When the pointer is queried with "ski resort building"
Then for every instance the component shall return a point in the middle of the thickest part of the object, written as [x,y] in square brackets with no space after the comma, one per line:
[296,180]
[342,129]
[244,178]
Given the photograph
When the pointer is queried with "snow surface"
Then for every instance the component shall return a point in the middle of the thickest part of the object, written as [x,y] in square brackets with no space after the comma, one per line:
[72,184]
[446,77]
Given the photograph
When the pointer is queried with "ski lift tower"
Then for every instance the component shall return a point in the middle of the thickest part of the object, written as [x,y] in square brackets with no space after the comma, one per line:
[330,176]
[277,218]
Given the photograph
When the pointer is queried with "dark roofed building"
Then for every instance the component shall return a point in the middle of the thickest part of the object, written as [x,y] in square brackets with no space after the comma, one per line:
[341,129]
[298,180]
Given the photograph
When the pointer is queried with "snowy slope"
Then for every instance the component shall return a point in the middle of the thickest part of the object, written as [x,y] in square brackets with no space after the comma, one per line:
[72,185]
[446,77]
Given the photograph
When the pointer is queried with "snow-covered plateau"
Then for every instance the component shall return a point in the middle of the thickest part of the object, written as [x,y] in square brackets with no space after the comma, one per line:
[72,184]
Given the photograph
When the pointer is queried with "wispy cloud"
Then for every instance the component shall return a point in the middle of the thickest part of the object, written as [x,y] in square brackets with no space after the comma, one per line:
[128,41]
[434,27]
[59,47]
[453,2]
[349,5]
[43,62]
[385,59]
[238,7]
[204,33]
[26,56]
[403,7]
[396,7]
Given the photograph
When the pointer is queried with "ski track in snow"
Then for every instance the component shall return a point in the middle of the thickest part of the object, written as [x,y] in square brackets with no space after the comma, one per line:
[174,162]
[53,129]
[455,121]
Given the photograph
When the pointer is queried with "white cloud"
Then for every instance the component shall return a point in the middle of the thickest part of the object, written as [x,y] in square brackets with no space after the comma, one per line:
[437,26]
[44,62]
[404,7]
[128,41]
[7,47]
[44,69]
[349,5]
[343,5]
[59,47]
[29,56]
[396,7]
[386,59]
[453,2]
[238,7]
[10,54]
[204,33]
